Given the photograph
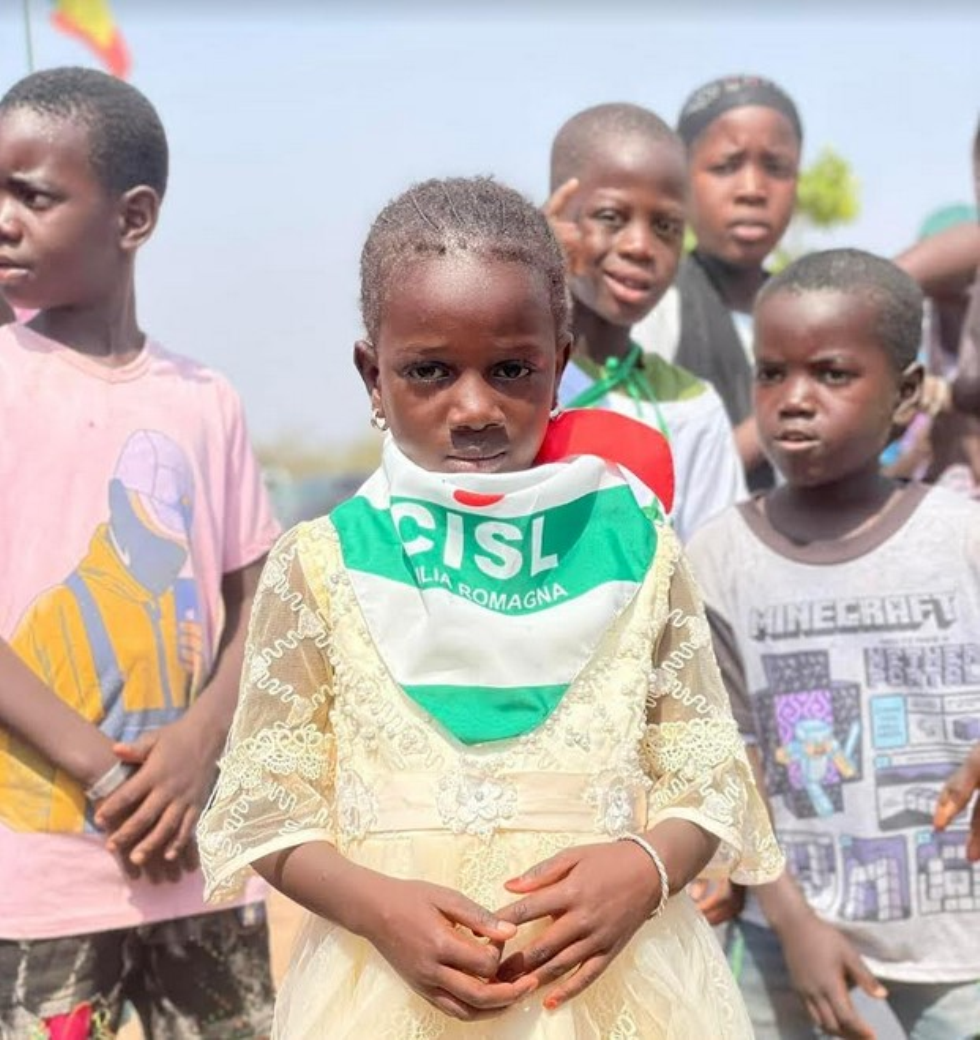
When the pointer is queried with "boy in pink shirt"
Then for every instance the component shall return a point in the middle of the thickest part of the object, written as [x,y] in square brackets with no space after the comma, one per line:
[135,524]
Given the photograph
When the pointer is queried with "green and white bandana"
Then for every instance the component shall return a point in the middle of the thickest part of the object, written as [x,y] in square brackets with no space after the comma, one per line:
[486,594]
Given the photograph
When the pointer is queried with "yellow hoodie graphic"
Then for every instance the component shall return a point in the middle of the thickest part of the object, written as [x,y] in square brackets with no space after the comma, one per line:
[120,640]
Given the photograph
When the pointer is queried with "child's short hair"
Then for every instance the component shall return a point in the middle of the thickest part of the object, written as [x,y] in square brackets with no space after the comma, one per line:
[599,127]
[854,272]
[453,216]
[127,142]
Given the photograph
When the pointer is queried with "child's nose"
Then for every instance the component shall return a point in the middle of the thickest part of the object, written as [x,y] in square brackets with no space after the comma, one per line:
[475,404]
[10,228]
[636,241]
[797,396]
[752,182]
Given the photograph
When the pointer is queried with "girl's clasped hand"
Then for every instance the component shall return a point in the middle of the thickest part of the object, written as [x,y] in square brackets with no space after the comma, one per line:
[422,929]
[595,897]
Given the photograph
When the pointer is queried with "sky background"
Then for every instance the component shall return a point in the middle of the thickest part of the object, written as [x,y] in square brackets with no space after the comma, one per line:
[292,123]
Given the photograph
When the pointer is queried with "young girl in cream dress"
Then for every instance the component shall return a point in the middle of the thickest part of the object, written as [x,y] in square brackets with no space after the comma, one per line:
[482,736]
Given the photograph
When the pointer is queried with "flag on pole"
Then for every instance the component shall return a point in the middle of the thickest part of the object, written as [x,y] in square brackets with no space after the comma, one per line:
[91,22]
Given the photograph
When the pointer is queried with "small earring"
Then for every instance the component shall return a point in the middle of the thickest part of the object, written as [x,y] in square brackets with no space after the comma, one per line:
[378,421]
[554,413]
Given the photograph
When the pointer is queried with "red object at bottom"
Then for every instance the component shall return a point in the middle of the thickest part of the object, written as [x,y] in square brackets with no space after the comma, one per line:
[75,1025]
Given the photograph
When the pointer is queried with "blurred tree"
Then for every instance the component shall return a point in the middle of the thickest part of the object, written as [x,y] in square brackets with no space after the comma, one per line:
[828,192]
[827,195]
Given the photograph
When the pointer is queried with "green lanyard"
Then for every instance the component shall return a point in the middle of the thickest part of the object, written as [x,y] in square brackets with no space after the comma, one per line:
[623,373]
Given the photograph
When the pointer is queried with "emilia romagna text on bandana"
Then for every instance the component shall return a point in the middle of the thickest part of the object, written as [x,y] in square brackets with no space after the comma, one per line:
[488,593]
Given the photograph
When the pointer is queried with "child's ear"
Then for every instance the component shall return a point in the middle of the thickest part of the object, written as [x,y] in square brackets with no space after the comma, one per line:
[366,363]
[139,210]
[909,394]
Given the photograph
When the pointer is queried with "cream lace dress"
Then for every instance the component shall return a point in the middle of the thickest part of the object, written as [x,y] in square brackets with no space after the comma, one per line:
[325,747]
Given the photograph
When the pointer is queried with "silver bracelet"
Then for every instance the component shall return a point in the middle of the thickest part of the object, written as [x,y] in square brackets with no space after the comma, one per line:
[638,839]
[112,779]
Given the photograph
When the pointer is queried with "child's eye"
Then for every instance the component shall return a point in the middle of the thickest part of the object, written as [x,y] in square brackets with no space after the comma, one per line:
[668,229]
[836,376]
[425,372]
[781,168]
[34,199]
[726,166]
[510,370]
[609,216]
[766,375]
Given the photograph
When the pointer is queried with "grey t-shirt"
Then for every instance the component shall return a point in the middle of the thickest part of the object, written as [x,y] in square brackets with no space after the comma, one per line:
[855,667]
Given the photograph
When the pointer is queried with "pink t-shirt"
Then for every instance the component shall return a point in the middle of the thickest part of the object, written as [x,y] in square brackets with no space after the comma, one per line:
[127,493]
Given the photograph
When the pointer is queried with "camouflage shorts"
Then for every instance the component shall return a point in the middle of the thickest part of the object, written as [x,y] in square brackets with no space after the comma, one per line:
[195,978]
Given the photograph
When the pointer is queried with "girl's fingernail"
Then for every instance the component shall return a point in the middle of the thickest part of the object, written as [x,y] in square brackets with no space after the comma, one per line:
[551,1003]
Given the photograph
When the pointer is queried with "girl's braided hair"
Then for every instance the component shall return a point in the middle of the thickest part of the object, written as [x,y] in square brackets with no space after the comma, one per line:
[459,215]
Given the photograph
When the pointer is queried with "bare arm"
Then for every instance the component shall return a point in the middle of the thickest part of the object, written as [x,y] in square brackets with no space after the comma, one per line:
[944,265]
[822,962]
[35,714]
[158,807]
[685,848]
[319,878]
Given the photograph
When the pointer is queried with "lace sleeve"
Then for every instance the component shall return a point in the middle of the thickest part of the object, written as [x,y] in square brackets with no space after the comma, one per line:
[692,748]
[275,780]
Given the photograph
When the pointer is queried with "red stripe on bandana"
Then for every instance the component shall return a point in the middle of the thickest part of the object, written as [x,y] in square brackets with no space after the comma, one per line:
[475,500]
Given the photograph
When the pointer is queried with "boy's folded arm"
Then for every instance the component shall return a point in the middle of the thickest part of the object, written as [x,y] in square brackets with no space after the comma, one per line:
[35,714]
[158,807]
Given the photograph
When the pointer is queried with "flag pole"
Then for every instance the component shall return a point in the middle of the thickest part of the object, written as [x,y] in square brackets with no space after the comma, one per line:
[28,39]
